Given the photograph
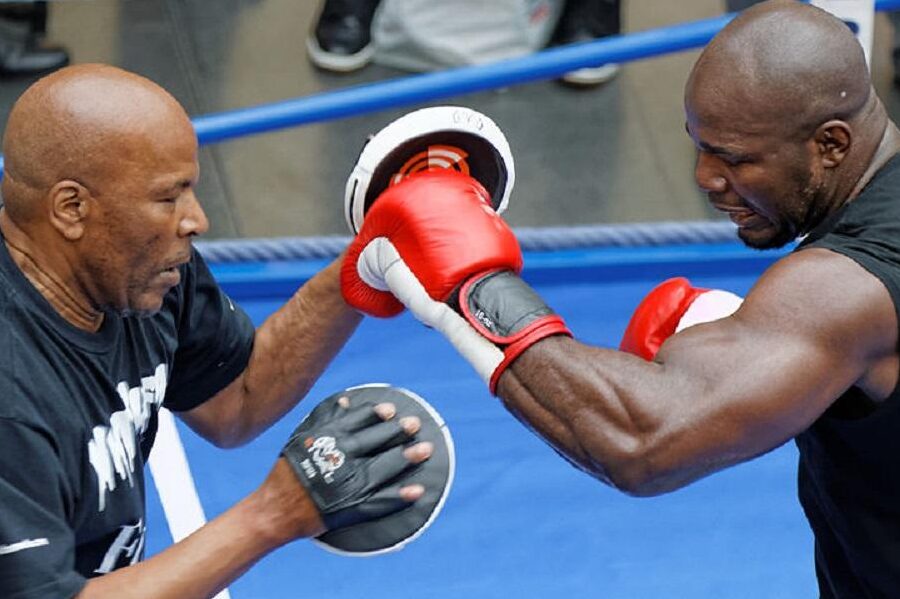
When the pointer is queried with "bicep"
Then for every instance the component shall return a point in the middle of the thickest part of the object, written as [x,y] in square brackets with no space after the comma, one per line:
[718,393]
[734,391]
[756,379]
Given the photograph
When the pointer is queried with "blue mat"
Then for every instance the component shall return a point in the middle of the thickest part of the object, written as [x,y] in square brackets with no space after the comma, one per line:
[519,521]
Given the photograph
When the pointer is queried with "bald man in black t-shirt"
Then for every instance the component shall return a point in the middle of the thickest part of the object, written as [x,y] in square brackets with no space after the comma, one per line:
[107,313]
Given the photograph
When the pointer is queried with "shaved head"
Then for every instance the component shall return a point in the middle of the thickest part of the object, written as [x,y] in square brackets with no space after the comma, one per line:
[81,123]
[786,63]
[787,126]
[99,204]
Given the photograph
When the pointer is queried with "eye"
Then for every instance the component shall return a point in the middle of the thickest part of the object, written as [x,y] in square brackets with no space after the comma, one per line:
[735,160]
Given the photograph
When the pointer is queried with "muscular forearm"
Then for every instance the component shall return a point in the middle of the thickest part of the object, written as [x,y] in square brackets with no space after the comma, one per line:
[612,414]
[216,554]
[552,389]
[647,427]
[291,349]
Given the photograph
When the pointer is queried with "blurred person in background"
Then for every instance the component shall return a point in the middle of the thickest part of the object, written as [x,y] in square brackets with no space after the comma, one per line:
[414,35]
[23,50]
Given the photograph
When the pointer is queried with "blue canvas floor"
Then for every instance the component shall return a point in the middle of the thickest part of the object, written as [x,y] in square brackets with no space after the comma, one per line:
[519,521]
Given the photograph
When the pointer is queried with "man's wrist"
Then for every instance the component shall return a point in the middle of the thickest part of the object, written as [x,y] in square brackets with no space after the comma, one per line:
[280,510]
[507,312]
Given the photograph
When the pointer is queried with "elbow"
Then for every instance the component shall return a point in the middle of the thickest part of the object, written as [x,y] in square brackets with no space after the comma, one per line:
[228,435]
[636,470]
[638,482]
[227,420]
[232,438]
[223,442]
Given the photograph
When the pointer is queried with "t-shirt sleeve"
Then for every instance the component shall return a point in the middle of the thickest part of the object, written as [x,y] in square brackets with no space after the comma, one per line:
[37,545]
[215,338]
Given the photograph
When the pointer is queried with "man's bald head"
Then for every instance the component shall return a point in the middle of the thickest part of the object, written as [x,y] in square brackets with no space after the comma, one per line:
[81,123]
[785,120]
[785,63]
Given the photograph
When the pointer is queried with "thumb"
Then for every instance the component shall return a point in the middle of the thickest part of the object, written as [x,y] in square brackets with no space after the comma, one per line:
[374,261]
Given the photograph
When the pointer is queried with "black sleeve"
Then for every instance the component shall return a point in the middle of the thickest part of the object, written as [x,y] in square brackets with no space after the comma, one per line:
[37,545]
[879,259]
[215,338]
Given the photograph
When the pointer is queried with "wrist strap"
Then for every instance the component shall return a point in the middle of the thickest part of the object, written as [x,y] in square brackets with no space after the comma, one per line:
[506,311]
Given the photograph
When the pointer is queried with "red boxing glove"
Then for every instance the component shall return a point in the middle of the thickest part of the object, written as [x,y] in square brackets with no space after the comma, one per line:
[670,307]
[445,229]
[434,244]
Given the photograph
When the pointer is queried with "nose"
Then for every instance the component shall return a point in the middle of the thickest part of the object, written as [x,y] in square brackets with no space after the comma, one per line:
[708,173]
[193,221]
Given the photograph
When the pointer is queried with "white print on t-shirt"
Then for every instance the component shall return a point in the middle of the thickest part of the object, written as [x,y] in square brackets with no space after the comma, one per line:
[113,448]
[129,543]
[21,545]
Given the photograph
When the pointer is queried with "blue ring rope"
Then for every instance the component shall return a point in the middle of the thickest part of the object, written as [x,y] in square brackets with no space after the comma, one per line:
[547,64]
[536,239]
[452,82]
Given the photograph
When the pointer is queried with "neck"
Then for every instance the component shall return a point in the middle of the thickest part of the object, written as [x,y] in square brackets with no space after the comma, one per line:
[887,147]
[54,285]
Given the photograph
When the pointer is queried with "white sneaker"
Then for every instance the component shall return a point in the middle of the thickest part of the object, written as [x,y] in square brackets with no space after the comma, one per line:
[591,76]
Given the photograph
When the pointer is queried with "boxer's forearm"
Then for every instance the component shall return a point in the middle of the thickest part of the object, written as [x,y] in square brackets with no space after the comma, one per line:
[216,554]
[291,349]
[552,389]
[618,417]
[716,395]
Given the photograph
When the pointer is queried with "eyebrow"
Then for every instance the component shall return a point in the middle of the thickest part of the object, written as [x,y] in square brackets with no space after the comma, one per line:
[179,185]
[717,150]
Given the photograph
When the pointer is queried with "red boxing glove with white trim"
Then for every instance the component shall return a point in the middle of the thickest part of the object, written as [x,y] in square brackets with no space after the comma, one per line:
[670,307]
[434,244]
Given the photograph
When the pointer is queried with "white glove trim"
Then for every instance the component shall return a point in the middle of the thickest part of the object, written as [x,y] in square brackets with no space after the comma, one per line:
[382,267]
[709,306]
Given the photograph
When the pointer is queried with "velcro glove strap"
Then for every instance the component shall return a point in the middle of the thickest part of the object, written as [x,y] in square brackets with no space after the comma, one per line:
[505,310]
[491,320]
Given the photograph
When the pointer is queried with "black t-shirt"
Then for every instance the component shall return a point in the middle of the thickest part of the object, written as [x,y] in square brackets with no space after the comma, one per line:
[78,415]
[849,473]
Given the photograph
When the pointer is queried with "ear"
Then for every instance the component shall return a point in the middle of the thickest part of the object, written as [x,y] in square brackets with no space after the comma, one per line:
[69,207]
[833,140]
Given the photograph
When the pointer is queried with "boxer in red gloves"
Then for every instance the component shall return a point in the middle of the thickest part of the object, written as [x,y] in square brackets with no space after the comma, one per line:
[792,143]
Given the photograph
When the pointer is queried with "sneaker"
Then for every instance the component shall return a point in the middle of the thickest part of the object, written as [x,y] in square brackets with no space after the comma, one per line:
[342,38]
[590,76]
[22,50]
[585,21]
